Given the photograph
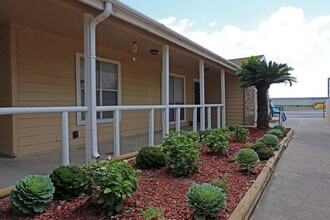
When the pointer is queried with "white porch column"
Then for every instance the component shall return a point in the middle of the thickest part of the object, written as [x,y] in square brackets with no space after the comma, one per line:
[223,98]
[202,94]
[165,89]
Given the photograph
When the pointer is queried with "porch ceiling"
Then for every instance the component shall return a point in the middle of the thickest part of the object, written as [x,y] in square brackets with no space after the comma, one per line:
[64,17]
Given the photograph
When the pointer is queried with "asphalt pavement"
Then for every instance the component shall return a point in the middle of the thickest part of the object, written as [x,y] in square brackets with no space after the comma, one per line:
[299,188]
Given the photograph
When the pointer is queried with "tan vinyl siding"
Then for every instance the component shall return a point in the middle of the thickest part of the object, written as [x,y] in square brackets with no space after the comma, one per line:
[234,100]
[5,92]
[212,94]
[47,77]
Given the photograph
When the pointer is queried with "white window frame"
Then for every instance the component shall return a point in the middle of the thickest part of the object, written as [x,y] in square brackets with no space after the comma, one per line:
[184,97]
[78,90]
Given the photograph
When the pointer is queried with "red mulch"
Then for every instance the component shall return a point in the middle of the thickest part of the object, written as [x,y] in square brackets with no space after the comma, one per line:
[162,190]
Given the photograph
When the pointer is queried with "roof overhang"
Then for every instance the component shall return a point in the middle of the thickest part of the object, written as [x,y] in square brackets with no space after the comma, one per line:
[131,16]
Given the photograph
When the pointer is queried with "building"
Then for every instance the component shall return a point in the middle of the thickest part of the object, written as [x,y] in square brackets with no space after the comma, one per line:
[147,78]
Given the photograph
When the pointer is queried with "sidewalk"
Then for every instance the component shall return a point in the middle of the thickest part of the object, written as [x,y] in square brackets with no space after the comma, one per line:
[300,185]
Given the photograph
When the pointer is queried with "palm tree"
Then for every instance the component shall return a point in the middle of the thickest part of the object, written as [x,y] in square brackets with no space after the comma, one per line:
[261,75]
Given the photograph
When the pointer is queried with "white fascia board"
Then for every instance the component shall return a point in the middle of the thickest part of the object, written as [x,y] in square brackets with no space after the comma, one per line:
[129,15]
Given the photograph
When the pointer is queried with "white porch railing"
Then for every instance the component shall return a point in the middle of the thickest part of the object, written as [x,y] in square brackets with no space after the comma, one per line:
[116,122]
[65,122]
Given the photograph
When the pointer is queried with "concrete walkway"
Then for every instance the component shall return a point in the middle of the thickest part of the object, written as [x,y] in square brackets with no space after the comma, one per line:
[300,185]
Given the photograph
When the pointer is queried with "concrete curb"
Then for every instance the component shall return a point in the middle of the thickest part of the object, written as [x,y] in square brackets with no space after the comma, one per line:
[247,204]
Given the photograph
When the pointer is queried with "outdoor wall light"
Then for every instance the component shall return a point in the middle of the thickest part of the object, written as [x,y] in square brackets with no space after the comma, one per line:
[134,47]
[154,52]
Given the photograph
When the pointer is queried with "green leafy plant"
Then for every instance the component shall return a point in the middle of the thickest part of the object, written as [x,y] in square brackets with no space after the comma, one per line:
[109,182]
[152,213]
[207,199]
[31,195]
[280,127]
[222,182]
[278,133]
[69,181]
[238,133]
[247,159]
[204,134]
[264,152]
[271,141]
[150,158]
[182,152]
[217,141]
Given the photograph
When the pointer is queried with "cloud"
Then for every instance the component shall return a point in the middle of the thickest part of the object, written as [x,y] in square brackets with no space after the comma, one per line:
[284,37]
[213,24]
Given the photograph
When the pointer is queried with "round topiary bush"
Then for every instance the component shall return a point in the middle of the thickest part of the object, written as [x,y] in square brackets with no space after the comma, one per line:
[281,128]
[69,181]
[207,199]
[271,141]
[247,159]
[264,152]
[31,195]
[278,133]
[150,158]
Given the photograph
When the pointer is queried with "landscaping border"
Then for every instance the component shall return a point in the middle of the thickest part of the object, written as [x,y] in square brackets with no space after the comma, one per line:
[246,206]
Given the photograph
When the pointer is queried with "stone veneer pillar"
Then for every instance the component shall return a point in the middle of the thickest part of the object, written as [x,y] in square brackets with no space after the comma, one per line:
[250,117]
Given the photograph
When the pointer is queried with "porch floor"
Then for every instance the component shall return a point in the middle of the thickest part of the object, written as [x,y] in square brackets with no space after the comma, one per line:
[12,169]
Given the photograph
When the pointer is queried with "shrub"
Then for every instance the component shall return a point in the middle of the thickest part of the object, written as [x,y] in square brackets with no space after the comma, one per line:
[247,159]
[208,200]
[150,158]
[31,195]
[69,181]
[281,128]
[277,133]
[204,134]
[222,182]
[217,141]
[238,134]
[182,152]
[264,152]
[271,141]
[109,182]
[152,213]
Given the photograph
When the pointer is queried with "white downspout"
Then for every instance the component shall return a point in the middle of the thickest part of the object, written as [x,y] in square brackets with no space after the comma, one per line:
[90,66]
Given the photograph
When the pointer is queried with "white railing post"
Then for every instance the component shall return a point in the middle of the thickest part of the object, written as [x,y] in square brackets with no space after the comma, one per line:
[151,127]
[223,98]
[195,119]
[116,135]
[218,117]
[65,139]
[178,119]
[209,117]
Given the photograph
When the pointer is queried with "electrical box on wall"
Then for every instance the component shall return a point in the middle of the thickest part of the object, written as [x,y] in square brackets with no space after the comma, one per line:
[75,134]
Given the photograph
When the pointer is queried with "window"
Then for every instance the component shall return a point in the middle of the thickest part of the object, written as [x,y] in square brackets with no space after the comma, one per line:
[107,87]
[176,88]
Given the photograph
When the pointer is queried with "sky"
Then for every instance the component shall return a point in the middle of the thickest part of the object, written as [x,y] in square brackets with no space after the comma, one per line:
[296,32]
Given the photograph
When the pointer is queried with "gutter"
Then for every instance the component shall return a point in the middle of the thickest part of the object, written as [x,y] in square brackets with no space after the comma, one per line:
[90,24]
[130,15]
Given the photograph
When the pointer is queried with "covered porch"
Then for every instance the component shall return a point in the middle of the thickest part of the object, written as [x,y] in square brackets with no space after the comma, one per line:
[68,84]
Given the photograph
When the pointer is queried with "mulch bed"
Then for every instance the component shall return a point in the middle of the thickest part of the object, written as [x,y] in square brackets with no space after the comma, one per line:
[162,190]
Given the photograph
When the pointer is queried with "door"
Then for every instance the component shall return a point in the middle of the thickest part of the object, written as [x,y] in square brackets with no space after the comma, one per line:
[197,99]
[176,88]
